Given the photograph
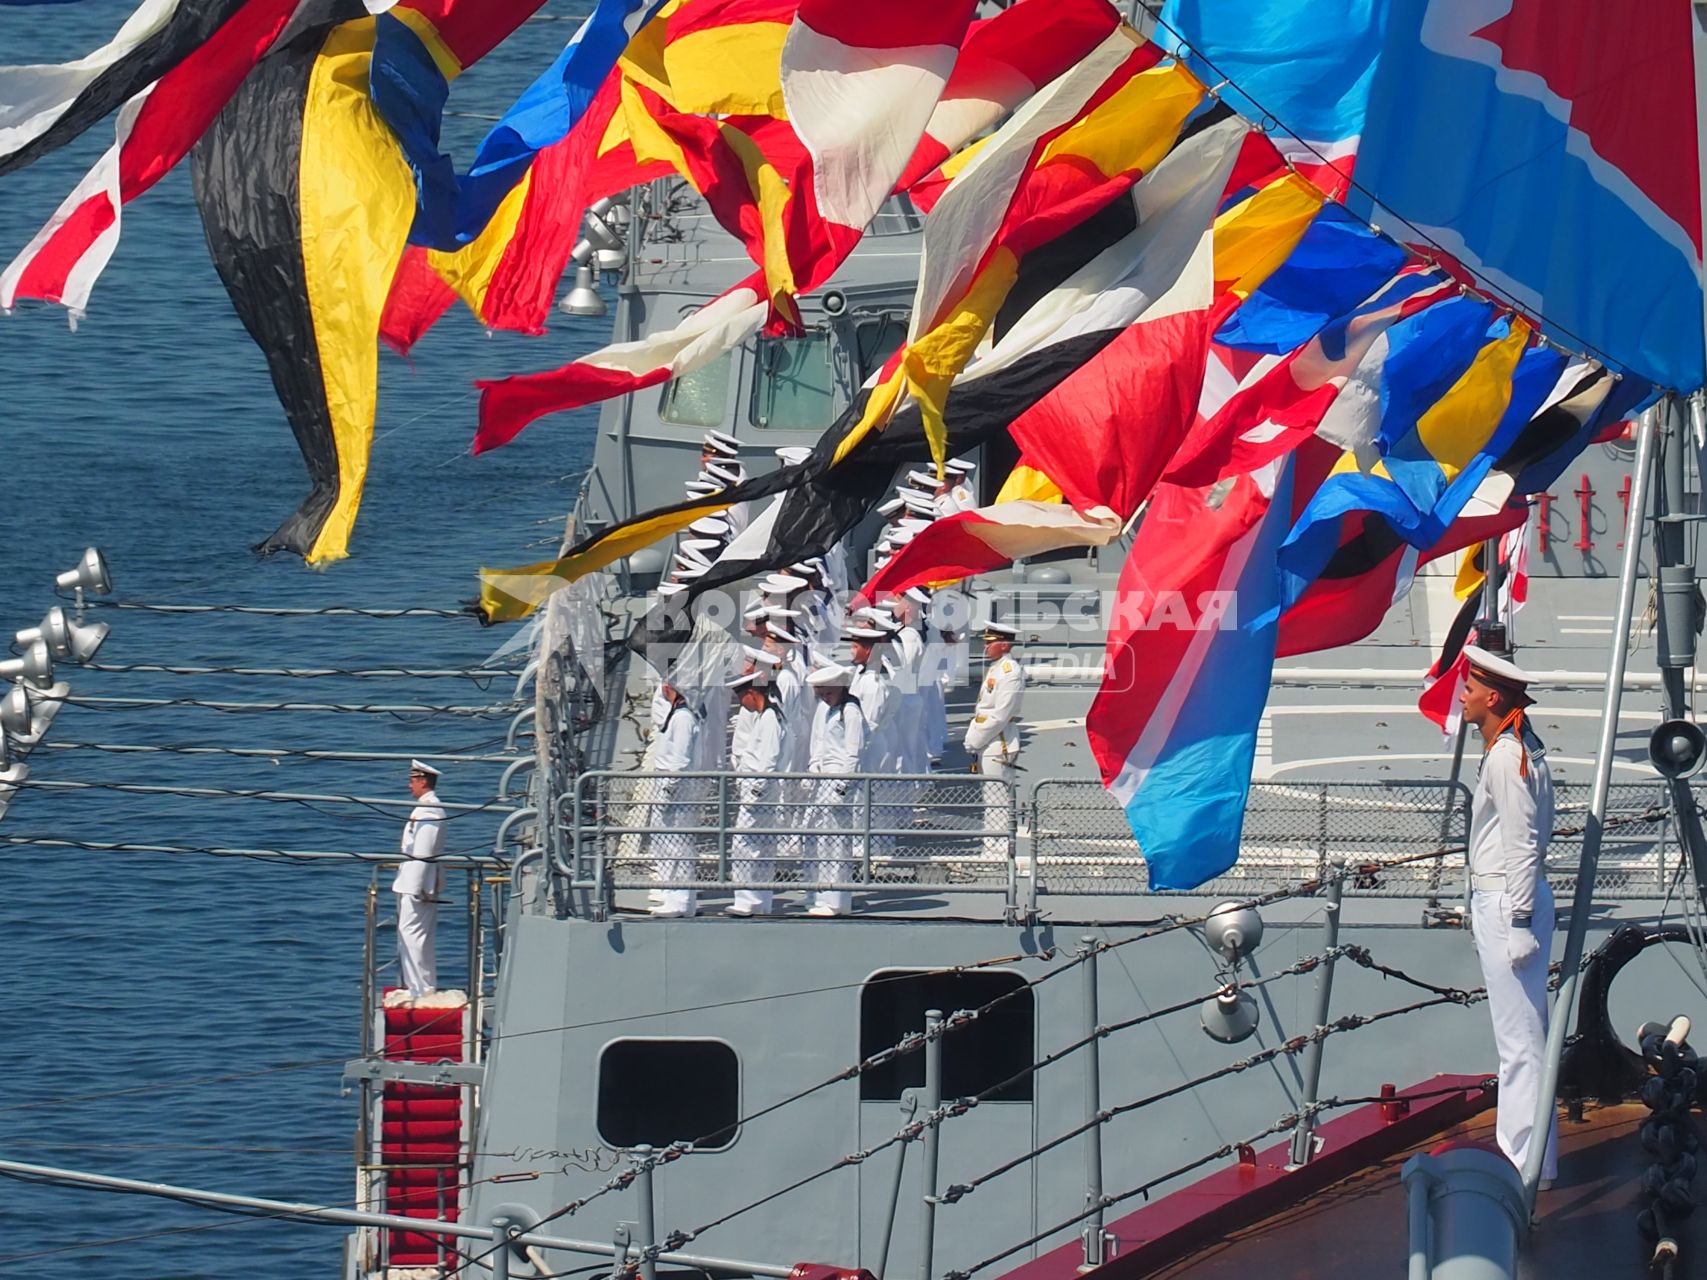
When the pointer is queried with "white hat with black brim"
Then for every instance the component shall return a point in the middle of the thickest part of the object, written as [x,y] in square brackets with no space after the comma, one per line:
[1502,673]
[420,768]
[722,442]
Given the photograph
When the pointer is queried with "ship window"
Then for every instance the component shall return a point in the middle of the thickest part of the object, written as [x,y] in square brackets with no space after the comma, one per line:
[980,1054]
[700,398]
[878,340]
[664,1091]
[794,386]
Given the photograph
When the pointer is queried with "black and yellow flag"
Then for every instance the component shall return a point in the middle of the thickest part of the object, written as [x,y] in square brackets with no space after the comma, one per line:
[306,201]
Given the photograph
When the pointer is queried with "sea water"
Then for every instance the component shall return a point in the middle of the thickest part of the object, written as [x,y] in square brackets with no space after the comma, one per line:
[183,1017]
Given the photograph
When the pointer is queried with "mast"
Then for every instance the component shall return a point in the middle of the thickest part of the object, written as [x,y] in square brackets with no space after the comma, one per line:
[1582,900]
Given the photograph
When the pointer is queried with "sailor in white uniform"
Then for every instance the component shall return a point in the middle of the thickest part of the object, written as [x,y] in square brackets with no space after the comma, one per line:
[761,739]
[1511,904]
[993,736]
[837,748]
[674,752]
[417,884]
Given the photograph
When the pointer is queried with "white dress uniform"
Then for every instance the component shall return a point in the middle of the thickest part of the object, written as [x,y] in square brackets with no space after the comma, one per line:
[793,702]
[673,806]
[417,888]
[879,704]
[934,669]
[838,746]
[761,741]
[993,736]
[1511,822]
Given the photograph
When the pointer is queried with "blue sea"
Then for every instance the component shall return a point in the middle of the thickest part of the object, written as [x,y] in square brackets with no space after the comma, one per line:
[183,1017]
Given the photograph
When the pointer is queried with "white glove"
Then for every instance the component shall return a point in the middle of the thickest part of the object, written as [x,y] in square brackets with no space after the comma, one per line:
[1520,944]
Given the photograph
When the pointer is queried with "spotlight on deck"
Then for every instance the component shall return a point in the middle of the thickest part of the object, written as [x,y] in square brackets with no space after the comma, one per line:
[22,718]
[1233,931]
[1677,748]
[66,640]
[90,575]
[34,668]
[9,755]
[583,299]
[1230,1016]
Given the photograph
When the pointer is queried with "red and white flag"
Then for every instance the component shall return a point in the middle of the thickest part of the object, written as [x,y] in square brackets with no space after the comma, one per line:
[156,129]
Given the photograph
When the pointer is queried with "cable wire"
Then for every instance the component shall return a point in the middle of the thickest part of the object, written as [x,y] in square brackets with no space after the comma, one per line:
[275,611]
[314,673]
[243,708]
[382,807]
[277,753]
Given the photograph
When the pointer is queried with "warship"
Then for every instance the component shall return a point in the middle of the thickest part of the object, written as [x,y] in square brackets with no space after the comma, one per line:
[995,1063]
[1015,1057]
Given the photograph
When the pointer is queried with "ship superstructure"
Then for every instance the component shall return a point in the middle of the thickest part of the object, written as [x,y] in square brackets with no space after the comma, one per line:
[1007,1039]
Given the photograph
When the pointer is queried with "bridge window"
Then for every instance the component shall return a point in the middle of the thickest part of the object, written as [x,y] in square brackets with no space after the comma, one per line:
[663,1091]
[700,398]
[794,386]
[983,1053]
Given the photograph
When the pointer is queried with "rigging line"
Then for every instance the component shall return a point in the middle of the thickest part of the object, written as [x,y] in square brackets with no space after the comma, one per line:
[242,708]
[455,858]
[235,1215]
[1350,1022]
[1486,284]
[383,808]
[314,673]
[273,753]
[275,611]
[1307,965]
[1281,1125]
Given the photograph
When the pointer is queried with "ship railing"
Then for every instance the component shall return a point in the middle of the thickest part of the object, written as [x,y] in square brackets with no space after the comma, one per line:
[1080,841]
[716,831]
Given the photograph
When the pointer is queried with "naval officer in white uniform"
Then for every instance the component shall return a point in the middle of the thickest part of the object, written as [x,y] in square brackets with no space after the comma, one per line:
[417,885]
[675,750]
[993,736]
[1511,904]
[761,739]
[838,747]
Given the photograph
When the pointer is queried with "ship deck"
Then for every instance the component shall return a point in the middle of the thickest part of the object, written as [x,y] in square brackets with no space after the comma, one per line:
[1585,1225]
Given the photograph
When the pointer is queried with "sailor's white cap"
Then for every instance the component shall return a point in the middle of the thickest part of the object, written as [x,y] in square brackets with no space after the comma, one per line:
[1498,670]
[960,465]
[780,584]
[668,589]
[862,632]
[763,657]
[1001,630]
[423,768]
[829,673]
[794,454]
[698,487]
[722,442]
[913,500]
[694,560]
[877,616]
[807,569]
[710,527]
[911,526]
[758,678]
[728,472]
[923,479]
[918,595]
[783,633]
[688,571]
[890,507]
[700,544]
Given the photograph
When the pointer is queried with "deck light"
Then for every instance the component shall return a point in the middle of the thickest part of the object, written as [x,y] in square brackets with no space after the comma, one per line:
[65,639]
[583,299]
[1230,1016]
[34,668]
[90,575]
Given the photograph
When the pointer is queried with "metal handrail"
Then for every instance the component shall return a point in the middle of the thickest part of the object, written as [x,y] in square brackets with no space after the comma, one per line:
[579,814]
